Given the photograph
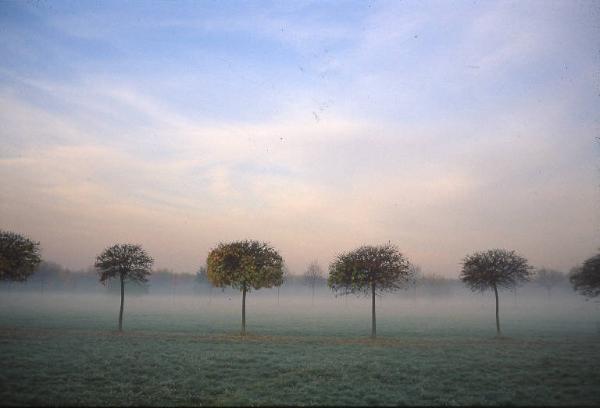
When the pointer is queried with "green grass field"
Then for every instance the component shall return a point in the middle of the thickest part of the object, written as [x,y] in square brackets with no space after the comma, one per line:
[60,349]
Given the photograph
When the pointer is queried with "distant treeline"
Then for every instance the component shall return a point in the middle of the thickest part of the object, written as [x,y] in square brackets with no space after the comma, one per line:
[51,276]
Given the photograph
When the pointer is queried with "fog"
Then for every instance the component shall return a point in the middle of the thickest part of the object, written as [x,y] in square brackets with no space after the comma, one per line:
[451,310]
[181,344]
[143,137]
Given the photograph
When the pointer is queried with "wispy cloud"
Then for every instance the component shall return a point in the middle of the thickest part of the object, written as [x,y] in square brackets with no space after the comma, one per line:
[429,128]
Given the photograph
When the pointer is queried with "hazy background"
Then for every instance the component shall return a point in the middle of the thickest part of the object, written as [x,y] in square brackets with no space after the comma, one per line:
[429,310]
[444,128]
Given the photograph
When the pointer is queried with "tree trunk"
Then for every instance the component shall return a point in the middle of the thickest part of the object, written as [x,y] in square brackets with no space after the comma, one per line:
[312,302]
[244,311]
[497,311]
[373,318]
[122,301]
[277,294]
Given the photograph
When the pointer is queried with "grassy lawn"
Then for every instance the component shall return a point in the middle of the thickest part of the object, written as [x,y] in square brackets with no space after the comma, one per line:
[54,355]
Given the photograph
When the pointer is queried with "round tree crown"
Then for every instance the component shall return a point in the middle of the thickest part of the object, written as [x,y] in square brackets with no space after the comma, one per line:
[586,278]
[383,267]
[245,265]
[499,268]
[127,260]
[19,256]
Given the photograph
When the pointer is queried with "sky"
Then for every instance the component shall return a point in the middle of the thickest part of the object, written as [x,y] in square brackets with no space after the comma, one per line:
[444,128]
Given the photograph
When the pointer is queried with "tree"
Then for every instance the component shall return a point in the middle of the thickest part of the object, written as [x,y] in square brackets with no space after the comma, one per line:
[586,278]
[128,263]
[369,269]
[312,276]
[19,256]
[201,277]
[548,278]
[245,265]
[435,285]
[167,279]
[493,269]
[284,278]
[201,280]
[416,275]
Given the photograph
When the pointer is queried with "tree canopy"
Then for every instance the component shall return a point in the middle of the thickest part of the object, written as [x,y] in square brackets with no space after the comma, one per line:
[369,270]
[245,265]
[19,256]
[128,261]
[494,269]
[586,278]
[498,268]
[383,267]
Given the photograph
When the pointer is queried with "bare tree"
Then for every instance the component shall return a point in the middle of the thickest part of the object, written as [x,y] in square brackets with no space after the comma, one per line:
[548,278]
[312,277]
[416,274]
[202,280]
[435,285]
[46,273]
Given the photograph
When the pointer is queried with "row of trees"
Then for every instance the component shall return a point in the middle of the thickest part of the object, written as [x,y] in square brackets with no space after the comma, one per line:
[251,265]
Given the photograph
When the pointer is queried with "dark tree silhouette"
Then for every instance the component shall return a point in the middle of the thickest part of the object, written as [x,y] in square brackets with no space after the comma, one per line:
[548,278]
[312,276]
[128,263]
[369,269]
[586,278]
[19,256]
[245,265]
[493,269]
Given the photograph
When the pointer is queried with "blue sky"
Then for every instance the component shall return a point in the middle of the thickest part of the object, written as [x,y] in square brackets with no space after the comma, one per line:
[444,127]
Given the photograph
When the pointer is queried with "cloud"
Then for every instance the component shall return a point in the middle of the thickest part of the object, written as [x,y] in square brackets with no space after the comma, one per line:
[399,141]
[309,188]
